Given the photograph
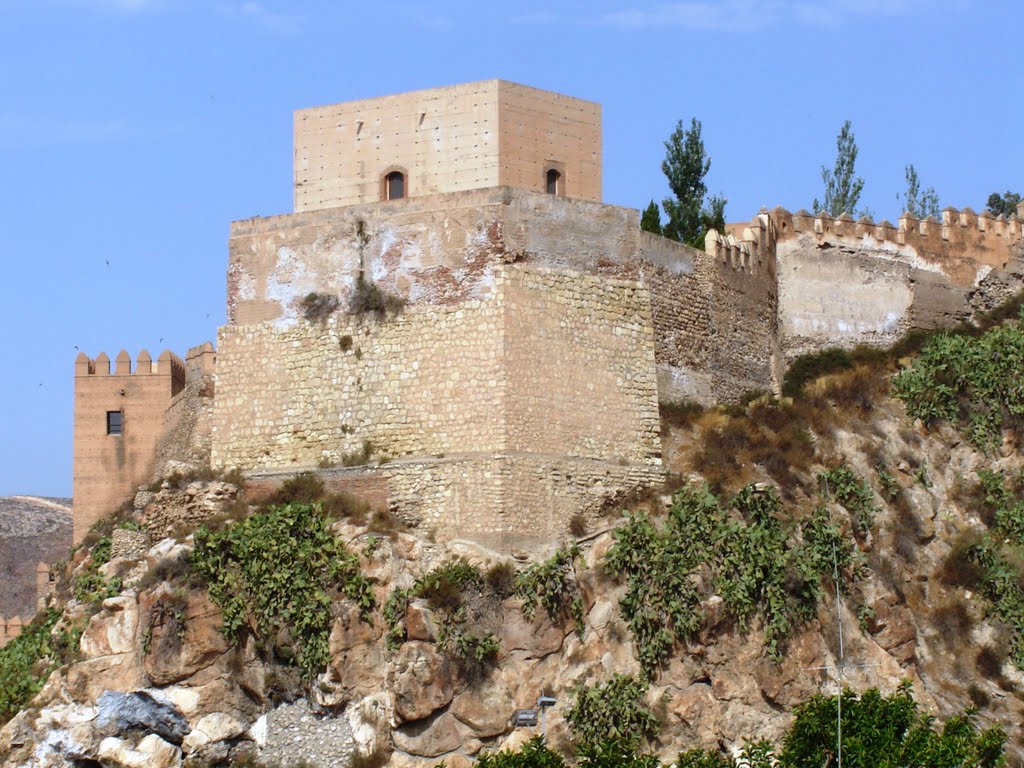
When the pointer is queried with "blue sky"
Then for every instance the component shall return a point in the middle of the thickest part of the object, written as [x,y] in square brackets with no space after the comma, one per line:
[133,131]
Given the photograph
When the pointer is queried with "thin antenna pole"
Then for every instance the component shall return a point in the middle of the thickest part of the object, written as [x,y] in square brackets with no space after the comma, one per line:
[839,624]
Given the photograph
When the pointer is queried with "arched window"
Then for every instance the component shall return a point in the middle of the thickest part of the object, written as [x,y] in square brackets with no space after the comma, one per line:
[553,182]
[394,185]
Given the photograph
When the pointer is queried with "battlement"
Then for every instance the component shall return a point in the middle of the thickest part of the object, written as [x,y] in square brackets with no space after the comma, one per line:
[168,364]
[748,248]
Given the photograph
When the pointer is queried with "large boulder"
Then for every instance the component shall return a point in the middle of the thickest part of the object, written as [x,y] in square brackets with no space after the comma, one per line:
[421,681]
[121,713]
[485,709]
[184,635]
[429,738]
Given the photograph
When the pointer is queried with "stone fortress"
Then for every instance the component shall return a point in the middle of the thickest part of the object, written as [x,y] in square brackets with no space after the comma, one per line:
[520,383]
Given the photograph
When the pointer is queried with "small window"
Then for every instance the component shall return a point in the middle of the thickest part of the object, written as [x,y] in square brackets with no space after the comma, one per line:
[395,183]
[114,422]
[553,181]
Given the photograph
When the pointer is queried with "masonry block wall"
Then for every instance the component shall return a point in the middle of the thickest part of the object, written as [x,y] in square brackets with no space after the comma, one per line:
[463,137]
[470,401]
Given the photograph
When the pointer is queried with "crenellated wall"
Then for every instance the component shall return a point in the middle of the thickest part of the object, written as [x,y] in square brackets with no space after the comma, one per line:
[843,282]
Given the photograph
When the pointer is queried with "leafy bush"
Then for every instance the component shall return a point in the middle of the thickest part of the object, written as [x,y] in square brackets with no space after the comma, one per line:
[970,382]
[554,585]
[882,731]
[853,493]
[277,570]
[317,307]
[611,712]
[89,586]
[533,754]
[758,563]
[446,590]
[23,664]
[27,660]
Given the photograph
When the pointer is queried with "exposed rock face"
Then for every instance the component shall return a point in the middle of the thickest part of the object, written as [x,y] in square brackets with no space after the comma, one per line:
[159,684]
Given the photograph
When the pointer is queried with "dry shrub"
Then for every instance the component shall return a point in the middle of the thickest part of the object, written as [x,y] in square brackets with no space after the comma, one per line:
[303,488]
[768,434]
[375,759]
[953,622]
[958,569]
[679,413]
[856,389]
[979,698]
[906,529]
[317,307]
[386,524]
[501,578]
[989,662]
[578,524]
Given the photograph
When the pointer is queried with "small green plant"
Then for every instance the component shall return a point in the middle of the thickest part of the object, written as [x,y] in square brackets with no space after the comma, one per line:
[890,487]
[345,343]
[612,712]
[451,590]
[27,660]
[853,493]
[90,586]
[921,476]
[358,458]
[317,307]
[277,570]
[554,585]
[533,754]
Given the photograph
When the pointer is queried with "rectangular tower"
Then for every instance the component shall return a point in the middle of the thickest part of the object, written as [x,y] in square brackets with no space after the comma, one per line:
[471,136]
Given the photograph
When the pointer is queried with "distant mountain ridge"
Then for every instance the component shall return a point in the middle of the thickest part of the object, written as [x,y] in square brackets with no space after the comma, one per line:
[32,529]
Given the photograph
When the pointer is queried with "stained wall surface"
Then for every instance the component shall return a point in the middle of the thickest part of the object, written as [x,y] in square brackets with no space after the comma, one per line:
[462,137]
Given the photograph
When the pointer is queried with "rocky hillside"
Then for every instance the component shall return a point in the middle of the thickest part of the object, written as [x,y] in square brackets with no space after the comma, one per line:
[33,529]
[865,531]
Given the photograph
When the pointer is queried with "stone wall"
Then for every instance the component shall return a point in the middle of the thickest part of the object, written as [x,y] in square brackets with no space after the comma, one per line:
[843,282]
[475,403]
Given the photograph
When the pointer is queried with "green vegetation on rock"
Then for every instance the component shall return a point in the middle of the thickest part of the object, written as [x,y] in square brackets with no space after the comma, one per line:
[972,382]
[761,562]
[279,570]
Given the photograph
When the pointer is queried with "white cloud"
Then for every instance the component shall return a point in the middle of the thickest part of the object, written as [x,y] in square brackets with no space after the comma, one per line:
[745,15]
[122,6]
[281,23]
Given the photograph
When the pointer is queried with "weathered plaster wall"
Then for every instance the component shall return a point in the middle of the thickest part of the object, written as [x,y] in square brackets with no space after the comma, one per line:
[843,282]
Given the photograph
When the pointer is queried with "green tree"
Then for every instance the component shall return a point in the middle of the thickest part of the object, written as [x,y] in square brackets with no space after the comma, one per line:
[918,202]
[685,165]
[1005,204]
[842,185]
[650,220]
[882,731]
